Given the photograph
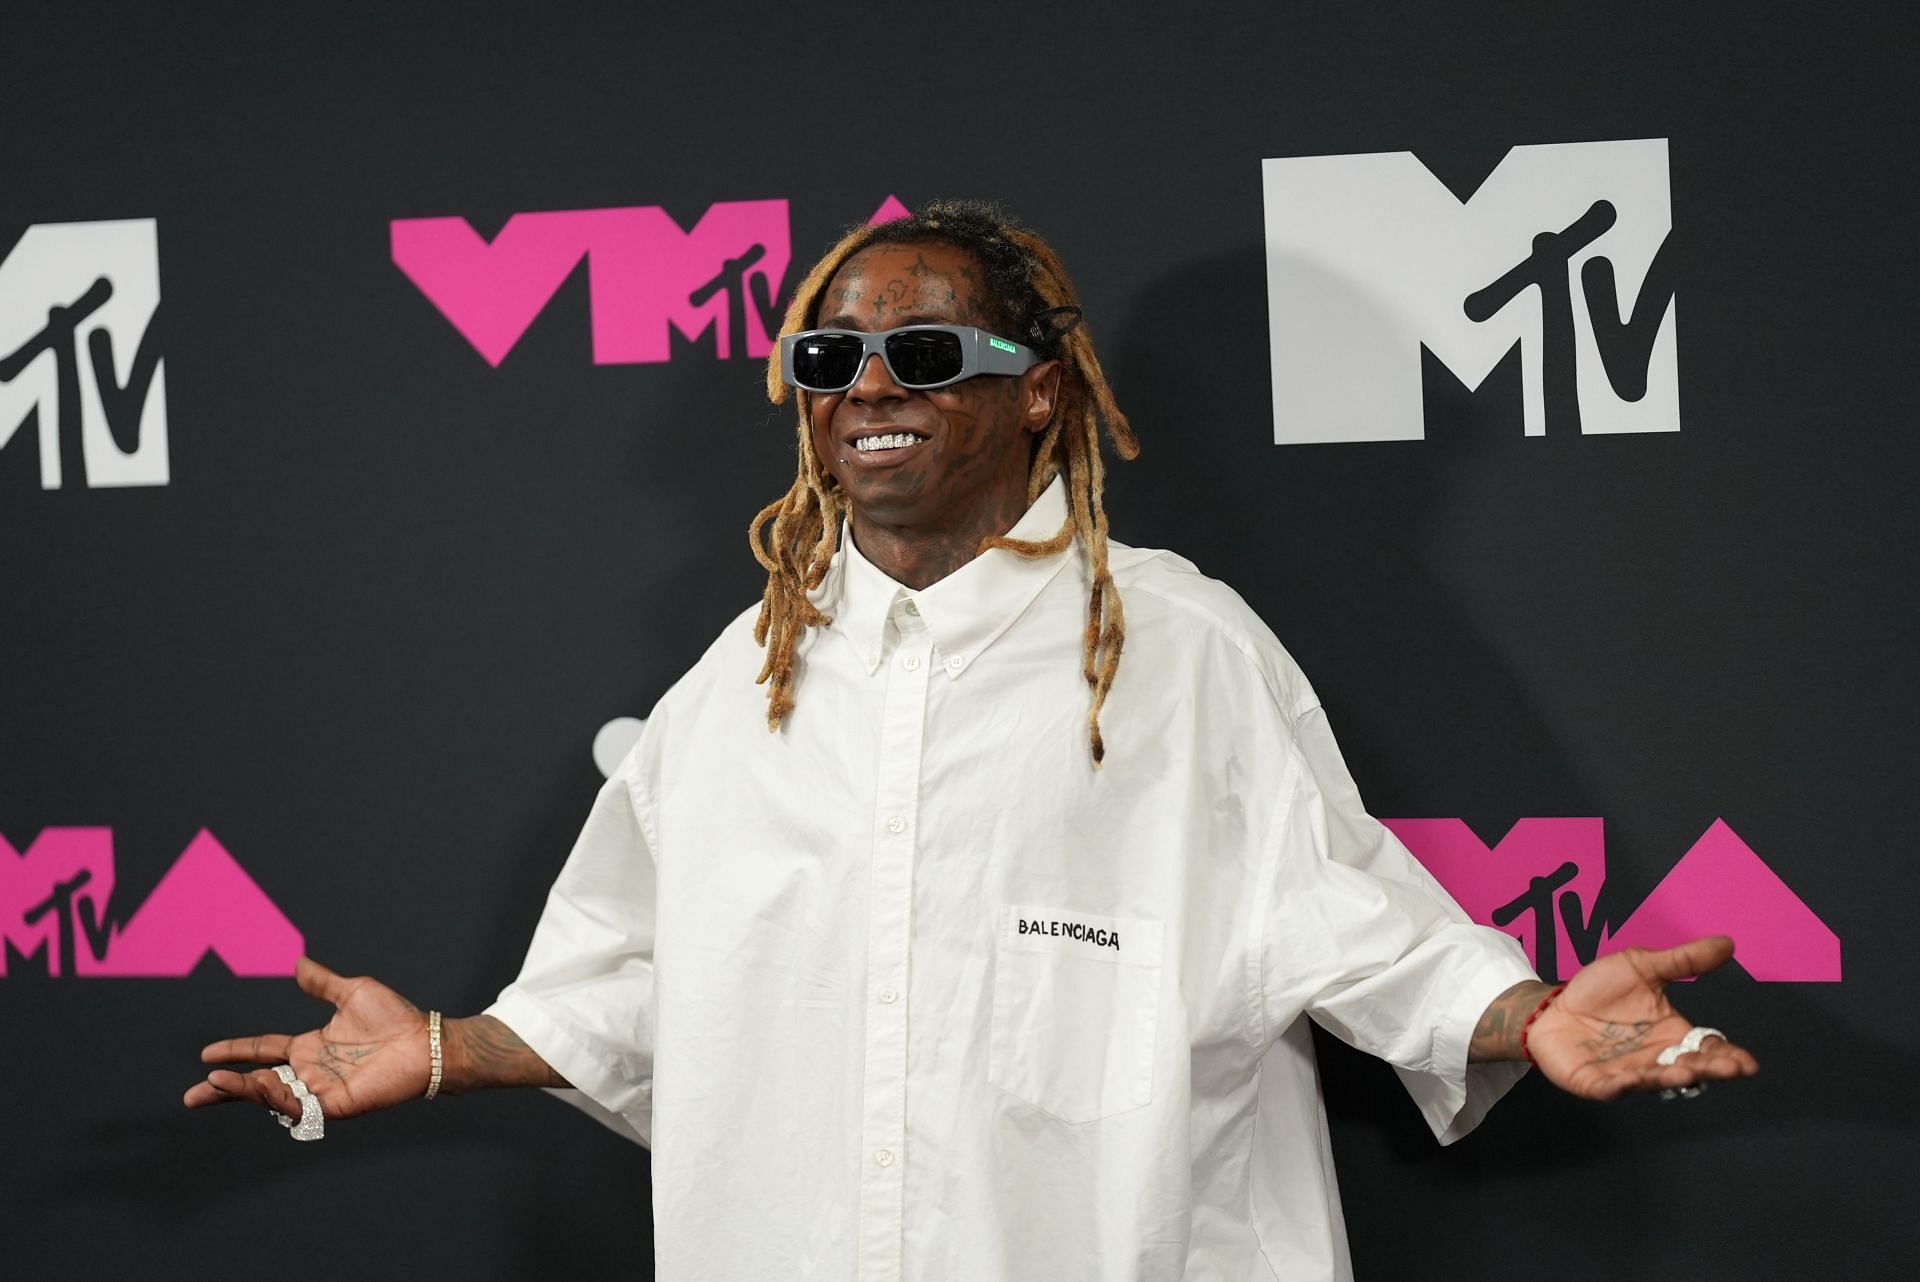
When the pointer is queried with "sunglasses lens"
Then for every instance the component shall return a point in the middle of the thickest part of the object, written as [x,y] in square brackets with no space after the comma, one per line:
[925,357]
[826,362]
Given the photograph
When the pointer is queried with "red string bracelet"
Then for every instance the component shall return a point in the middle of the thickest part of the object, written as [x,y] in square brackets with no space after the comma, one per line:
[1545,1002]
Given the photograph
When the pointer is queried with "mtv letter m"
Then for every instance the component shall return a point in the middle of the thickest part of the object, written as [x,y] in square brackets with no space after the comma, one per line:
[1561,251]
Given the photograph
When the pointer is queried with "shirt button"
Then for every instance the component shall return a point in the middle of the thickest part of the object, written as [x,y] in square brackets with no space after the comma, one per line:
[912,608]
[883,1157]
[911,663]
[956,663]
[888,997]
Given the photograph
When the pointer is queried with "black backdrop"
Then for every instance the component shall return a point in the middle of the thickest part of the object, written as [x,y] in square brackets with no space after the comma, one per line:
[368,631]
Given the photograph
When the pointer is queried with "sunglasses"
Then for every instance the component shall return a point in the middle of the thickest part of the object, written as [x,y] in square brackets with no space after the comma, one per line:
[919,357]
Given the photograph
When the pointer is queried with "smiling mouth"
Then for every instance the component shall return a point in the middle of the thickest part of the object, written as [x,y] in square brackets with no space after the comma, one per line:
[886,441]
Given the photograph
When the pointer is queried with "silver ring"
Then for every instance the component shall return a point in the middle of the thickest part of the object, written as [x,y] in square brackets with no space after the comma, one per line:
[1687,1045]
[1684,1092]
[313,1120]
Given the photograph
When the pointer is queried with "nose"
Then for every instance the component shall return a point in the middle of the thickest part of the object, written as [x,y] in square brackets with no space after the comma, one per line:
[875,383]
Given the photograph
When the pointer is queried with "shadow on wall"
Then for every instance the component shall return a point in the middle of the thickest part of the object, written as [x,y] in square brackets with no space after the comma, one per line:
[1376,564]
[1348,552]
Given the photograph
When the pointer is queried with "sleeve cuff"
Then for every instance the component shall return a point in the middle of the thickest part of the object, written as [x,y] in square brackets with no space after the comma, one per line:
[1457,1095]
[594,1075]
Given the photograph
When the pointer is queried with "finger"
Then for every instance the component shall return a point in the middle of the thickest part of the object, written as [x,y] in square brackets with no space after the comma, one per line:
[1718,1059]
[221,1087]
[1695,957]
[316,980]
[1627,1081]
[262,1087]
[1692,1070]
[262,1048]
[204,1093]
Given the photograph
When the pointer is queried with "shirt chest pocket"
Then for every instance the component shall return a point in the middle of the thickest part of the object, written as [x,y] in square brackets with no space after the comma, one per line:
[1075,1006]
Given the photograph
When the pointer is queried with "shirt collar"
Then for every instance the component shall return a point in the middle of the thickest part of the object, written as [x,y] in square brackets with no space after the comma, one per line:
[966,611]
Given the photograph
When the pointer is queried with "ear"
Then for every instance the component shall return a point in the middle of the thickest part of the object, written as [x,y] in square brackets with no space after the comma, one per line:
[1041,385]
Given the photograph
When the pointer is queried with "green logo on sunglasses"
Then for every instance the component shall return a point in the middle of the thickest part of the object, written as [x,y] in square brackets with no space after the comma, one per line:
[1002,344]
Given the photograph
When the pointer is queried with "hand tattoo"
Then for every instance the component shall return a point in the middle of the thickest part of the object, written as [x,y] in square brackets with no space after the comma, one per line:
[1616,1040]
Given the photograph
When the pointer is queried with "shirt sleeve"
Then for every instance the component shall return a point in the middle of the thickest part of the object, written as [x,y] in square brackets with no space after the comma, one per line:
[1361,937]
[584,999]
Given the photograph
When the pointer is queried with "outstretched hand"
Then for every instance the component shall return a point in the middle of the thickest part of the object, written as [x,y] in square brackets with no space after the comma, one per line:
[1602,1037]
[371,1054]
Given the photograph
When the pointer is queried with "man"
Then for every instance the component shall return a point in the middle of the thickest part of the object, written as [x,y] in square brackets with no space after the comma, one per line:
[989,962]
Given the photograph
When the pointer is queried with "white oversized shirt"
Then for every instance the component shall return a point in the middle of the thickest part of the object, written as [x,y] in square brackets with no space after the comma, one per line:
[910,990]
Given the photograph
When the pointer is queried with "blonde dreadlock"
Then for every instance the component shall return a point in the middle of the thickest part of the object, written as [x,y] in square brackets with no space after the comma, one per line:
[794,538]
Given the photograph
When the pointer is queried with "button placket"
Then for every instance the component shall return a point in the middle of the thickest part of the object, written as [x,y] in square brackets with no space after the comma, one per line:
[889,912]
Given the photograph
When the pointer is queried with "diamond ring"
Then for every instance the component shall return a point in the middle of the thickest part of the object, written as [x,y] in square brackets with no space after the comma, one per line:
[313,1121]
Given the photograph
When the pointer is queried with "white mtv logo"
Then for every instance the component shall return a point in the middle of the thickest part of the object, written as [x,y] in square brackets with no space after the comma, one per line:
[79,351]
[1369,256]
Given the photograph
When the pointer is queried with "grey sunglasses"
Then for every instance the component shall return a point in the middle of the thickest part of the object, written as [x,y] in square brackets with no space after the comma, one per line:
[919,357]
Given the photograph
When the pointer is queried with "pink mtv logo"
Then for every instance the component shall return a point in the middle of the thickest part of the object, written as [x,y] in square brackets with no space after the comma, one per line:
[644,275]
[1536,882]
[53,904]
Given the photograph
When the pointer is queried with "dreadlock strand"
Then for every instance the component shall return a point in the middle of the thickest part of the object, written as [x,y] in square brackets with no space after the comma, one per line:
[830,507]
[1113,633]
[1045,466]
[800,531]
[1078,481]
[1035,549]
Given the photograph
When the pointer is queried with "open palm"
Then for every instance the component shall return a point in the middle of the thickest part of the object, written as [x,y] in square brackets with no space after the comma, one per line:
[372,1054]
[1603,1036]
